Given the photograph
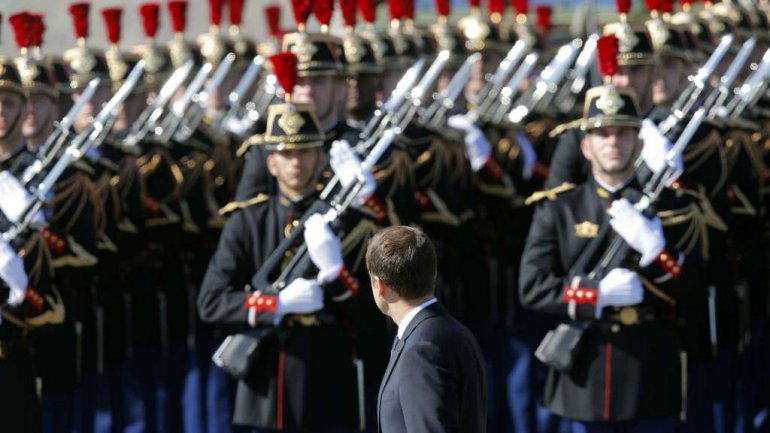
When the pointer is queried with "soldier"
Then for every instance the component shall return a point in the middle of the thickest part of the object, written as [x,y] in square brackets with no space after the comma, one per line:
[364,70]
[26,281]
[42,107]
[636,62]
[309,352]
[318,67]
[625,320]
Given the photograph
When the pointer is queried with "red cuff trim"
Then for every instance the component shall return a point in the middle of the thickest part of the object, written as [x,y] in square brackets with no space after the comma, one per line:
[492,168]
[151,205]
[669,263]
[375,205]
[580,295]
[422,199]
[349,280]
[540,171]
[55,242]
[262,303]
[33,298]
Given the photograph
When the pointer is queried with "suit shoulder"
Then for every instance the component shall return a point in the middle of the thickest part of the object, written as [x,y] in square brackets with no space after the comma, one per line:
[231,207]
[444,331]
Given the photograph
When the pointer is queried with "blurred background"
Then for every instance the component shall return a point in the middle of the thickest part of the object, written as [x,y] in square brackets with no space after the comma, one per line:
[59,34]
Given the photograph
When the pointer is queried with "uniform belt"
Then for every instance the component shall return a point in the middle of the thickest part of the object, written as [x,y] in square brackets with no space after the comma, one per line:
[635,315]
[309,319]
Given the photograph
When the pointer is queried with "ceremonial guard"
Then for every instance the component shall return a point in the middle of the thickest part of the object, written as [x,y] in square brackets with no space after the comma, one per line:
[622,320]
[302,377]
[31,303]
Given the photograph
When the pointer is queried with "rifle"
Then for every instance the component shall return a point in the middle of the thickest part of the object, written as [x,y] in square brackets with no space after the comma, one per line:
[334,201]
[235,98]
[171,122]
[510,90]
[90,138]
[547,83]
[192,117]
[719,95]
[435,116]
[699,83]
[54,142]
[618,250]
[488,94]
[578,78]
[256,108]
[752,89]
[148,119]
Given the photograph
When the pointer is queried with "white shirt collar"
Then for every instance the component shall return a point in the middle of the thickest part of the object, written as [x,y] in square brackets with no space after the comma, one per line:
[614,189]
[410,315]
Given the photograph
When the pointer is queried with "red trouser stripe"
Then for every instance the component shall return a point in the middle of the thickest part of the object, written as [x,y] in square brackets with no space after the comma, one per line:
[607,379]
[279,391]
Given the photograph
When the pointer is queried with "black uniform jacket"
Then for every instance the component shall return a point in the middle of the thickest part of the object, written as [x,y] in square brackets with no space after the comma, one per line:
[304,377]
[624,371]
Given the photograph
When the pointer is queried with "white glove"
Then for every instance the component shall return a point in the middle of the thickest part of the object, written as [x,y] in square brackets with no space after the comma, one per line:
[347,165]
[300,297]
[324,248]
[643,234]
[620,288]
[528,154]
[14,198]
[477,146]
[655,148]
[13,274]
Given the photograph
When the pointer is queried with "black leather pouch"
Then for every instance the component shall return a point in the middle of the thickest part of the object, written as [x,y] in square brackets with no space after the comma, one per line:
[561,346]
[239,352]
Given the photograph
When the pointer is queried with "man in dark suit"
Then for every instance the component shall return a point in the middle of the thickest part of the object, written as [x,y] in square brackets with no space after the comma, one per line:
[435,380]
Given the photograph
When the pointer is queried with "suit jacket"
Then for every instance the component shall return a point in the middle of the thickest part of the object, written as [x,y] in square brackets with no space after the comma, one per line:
[435,380]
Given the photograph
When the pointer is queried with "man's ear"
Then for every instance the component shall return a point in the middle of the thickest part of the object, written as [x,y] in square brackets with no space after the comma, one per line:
[380,288]
[584,149]
[271,166]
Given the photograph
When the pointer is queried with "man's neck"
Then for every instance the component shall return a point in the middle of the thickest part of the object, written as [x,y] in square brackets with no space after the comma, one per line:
[398,310]
[9,147]
[294,194]
[613,182]
[330,123]
[38,140]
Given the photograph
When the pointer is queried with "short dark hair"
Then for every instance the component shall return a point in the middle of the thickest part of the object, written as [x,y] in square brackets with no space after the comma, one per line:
[404,258]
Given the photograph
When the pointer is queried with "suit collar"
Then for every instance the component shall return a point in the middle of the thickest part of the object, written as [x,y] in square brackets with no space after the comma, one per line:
[432,310]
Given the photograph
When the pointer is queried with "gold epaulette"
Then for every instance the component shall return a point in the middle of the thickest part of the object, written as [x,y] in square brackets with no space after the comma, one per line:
[562,128]
[246,145]
[235,205]
[550,194]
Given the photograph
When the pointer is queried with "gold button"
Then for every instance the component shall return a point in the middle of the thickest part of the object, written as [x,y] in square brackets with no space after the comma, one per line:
[629,316]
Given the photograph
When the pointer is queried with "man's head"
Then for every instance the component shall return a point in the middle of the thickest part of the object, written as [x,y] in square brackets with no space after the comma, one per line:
[12,112]
[296,170]
[612,150]
[41,111]
[402,266]
[611,124]
[638,78]
[362,95]
[670,80]
[319,90]
[130,110]
[91,108]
